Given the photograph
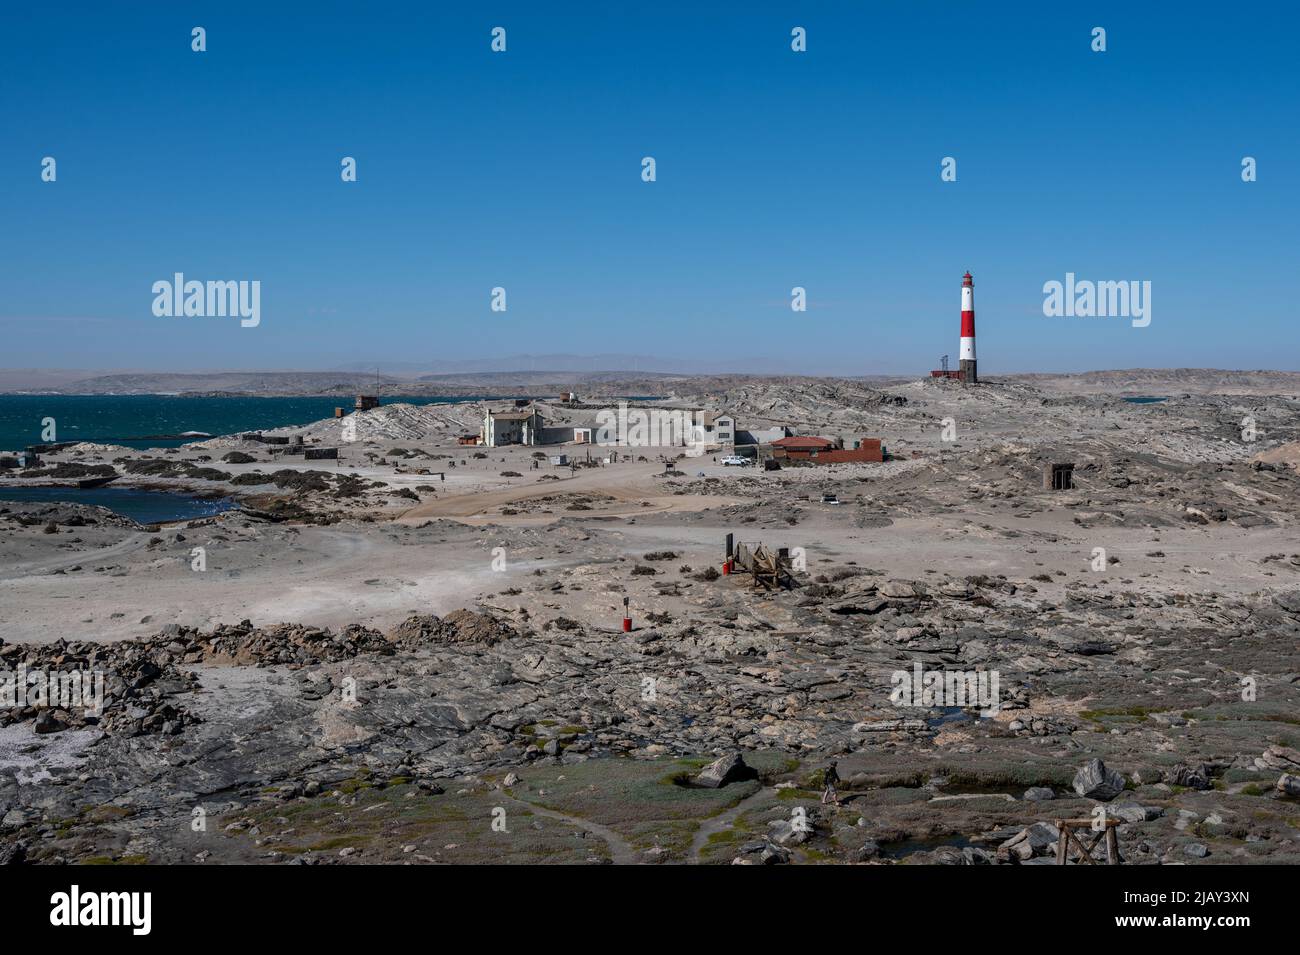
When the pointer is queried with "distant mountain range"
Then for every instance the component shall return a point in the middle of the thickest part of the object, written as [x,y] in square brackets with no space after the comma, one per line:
[456,379]
[328,383]
[568,363]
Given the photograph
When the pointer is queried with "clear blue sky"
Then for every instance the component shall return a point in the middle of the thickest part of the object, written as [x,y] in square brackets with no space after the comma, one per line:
[775,169]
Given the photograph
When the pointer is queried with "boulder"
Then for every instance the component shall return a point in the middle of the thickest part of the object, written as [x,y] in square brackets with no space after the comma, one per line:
[859,603]
[956,590]
[47,722]
[785,833]
[1038,794]
[761,852]
[14,853]
[1190,777]
[868,850]
[1035,840]
[898,590]
[1095,781]
[731,768]
[1281,757]
[1132,812]
[1288,785]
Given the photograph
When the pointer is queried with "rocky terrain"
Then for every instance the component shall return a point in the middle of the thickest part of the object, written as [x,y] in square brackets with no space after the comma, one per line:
[362,675]
[566,377]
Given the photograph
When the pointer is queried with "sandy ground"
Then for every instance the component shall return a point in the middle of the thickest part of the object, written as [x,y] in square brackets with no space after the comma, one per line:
[388,556]
[437,555]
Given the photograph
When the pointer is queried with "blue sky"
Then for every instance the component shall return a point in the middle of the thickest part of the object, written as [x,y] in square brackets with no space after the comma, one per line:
[775,169]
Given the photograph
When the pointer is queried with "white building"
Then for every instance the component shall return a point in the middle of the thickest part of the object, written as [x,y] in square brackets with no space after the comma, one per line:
[511,426]
[719,429]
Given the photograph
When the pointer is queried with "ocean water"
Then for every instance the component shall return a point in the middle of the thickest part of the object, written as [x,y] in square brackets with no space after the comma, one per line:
[133,420]
[146,507]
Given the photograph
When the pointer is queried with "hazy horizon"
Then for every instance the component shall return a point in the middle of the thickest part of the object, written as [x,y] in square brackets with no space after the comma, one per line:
[19,379]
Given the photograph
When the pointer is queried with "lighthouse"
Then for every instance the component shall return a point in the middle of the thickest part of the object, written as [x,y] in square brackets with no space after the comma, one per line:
[967,366]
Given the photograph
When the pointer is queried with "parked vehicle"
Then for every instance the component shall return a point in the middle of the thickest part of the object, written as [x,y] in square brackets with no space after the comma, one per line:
[735,460]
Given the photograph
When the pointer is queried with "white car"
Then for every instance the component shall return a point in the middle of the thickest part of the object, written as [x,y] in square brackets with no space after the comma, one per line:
[735,460]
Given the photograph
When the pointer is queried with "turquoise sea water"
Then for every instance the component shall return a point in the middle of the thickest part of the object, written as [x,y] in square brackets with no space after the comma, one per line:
[133,420]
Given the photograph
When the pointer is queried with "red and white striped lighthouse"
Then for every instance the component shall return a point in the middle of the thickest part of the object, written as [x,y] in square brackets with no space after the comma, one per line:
[967,365]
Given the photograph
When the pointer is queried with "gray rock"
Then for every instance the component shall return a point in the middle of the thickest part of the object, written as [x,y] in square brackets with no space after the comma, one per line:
[1191,777]
[1031,841]
[898,589]
[1095,781]
[761,852]
[943,855]
[1038,794]
[1288,784]
[868,850]
[47,722]
[14,853]
[725,769]
[784,833]
[860,603]
[1281,757]
[1196,850]
[1127,813]
[774,855]
[890,726]
[1132,812]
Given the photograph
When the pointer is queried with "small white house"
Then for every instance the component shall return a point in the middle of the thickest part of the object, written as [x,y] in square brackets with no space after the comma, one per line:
[724,430]
[719,429]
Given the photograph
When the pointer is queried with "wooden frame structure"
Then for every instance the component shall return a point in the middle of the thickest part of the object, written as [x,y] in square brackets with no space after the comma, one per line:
[1068,837]
[770,569]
